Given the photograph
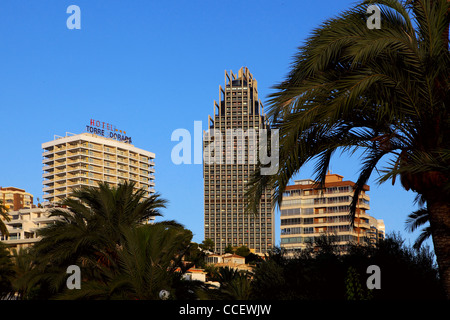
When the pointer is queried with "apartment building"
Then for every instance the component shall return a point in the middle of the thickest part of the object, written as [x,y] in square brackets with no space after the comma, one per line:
[307,213]
[85,159]
[23,226]
[225,221]
[19,204]
[15,198]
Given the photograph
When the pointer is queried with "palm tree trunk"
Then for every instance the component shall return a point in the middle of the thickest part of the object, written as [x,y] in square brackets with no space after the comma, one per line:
[439,210]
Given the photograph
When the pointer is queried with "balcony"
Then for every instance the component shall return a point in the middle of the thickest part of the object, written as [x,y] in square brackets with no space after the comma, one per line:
[59,171]
[60,186]
[47,174]
[47,161]
[76,154]
[46,189]
[77,175]
[134,164]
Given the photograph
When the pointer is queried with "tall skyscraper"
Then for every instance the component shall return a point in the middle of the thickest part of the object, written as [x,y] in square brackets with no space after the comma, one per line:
[238,113]
[85,159]
[307,213]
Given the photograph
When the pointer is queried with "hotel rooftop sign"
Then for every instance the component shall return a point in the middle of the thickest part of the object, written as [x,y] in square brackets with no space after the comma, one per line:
[107,130]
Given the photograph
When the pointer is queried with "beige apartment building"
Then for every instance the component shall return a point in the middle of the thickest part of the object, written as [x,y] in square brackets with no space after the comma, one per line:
[85,159]
[307,213]
[69,162]
[225,181]
[23,226]
[19,204]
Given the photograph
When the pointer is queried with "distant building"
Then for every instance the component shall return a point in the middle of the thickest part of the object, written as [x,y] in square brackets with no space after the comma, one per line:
[25,218]
[230,260]
[23,226]
[195,274]
[16,198]
[307,213]
[377,230]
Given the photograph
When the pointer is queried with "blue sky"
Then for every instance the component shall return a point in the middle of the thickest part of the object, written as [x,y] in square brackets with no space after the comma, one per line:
[150,68]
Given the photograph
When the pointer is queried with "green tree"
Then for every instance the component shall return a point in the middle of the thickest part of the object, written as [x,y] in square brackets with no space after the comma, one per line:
[92,220]
[234,285]
[23,264]
[382,92]
[415,220]
[195,256]
[322,274]
[229,249]
[243,251]
[207,244]
[354,288]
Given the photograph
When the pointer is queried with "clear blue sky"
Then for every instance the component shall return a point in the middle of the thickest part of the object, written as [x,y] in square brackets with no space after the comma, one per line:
[150,67]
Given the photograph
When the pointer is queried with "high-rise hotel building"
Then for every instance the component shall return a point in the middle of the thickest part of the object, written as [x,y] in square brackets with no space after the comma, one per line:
[225,220]
[307,213]
[85,159]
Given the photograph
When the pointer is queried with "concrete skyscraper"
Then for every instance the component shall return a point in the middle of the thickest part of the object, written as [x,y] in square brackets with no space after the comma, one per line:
[238,113]
[85,159]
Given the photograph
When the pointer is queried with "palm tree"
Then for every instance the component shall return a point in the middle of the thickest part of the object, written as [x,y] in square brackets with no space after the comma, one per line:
[380,91]
[234,285]
[92,219]
[91,227]
[23,264]
[7,273]
[149,260]
[3,216]
[415,220]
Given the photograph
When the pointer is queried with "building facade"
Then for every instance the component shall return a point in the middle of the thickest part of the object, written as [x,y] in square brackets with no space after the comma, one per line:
[307,213]
[85,159]
[23,226]
[225,178]
[16,198]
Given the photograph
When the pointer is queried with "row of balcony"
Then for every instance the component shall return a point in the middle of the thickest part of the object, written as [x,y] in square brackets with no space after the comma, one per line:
[100,159]
[56,193]
[68,173]
[89,146]
[76,180]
